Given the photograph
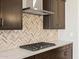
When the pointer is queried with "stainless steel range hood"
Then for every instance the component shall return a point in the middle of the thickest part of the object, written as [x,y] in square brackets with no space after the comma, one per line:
[35,7]
[36,11]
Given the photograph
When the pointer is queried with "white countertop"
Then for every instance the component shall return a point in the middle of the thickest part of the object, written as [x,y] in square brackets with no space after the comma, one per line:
[18,53]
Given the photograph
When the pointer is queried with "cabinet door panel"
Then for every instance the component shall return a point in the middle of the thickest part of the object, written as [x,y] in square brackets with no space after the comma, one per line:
[57,20]
[0,16]
[61,13]
[11,14]
[69,52]
[65,52]
[44,55]
[32,57]
[49,21]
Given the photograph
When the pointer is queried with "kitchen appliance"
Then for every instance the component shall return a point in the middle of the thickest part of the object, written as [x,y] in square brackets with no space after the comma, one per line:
[37,46]
[35,7]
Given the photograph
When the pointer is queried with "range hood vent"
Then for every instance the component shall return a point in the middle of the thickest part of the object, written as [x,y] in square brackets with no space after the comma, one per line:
[35,7]
[36,12]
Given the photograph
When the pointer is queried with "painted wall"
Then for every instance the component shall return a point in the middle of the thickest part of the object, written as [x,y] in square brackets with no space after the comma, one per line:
[78,28]
[71,31]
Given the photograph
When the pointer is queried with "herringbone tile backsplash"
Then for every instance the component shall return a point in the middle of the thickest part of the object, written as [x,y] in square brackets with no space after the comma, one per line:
[32,32]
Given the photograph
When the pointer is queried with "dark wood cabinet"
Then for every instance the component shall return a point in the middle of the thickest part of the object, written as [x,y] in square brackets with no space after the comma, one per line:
[32,57]
[57,20]
[44,55]
[0,15]
[64,52]
[10,14]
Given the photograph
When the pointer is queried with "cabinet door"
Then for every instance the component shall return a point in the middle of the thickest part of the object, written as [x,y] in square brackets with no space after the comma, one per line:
[0,15]
[50,21]
[32,57]
[61,13]
[44,55]
[50,55]
[64,52]
[69,52]
[11,14]
[57,20]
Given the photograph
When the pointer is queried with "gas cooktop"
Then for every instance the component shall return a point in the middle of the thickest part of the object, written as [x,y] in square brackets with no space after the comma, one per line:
[37,46]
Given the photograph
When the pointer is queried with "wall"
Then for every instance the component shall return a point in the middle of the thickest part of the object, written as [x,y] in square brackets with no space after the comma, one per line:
[78,29]
[32,32]
[70,33]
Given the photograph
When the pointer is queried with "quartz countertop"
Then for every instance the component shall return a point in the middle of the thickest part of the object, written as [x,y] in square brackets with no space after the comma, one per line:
[18,53]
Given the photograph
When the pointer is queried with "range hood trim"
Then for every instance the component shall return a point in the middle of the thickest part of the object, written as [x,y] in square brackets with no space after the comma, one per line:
[37,12]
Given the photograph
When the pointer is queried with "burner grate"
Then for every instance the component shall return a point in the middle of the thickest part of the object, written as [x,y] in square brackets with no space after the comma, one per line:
[37,46]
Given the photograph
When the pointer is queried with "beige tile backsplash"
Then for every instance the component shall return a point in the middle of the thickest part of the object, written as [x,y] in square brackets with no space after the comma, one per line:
[32,32]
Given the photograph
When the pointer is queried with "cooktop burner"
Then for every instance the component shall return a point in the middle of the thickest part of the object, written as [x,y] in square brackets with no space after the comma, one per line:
[37,46]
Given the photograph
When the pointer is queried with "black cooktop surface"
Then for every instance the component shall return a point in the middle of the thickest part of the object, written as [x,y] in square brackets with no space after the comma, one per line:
[37,46]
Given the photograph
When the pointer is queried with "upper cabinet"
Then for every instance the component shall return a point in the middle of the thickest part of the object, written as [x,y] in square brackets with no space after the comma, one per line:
[10,14]
[57,20]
